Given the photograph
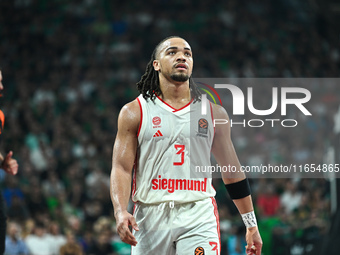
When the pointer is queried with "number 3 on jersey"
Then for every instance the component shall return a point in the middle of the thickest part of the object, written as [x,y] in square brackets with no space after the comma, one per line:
[180,151]
[215,247]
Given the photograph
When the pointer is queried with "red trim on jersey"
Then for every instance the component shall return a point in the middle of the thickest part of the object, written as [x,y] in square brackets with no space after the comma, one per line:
[175,110]
[135,166]
[217,220]
[141,116]
[185,105]
[134,208]
[133,184]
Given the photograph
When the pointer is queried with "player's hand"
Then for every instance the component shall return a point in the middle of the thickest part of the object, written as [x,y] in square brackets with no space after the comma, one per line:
[254,241]
[123,220]
[9,164]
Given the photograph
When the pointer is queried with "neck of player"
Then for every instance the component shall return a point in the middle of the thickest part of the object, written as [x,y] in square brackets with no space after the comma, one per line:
[176,94]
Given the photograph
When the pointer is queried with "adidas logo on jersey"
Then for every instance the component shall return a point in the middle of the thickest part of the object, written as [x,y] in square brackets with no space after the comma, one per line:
[158,133]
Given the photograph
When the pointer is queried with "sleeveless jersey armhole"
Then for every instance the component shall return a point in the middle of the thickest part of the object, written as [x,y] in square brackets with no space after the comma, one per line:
[141,116]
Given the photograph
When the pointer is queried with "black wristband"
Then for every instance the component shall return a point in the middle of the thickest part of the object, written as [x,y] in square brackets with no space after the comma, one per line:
[239,189]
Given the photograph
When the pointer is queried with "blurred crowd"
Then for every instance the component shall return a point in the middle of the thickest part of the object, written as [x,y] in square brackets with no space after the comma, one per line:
[68,68]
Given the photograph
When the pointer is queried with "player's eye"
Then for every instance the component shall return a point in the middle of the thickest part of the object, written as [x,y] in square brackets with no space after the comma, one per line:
[188,54]
[171,53]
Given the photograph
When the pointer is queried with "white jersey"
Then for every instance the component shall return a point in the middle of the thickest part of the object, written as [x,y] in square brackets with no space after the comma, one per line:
[172,145]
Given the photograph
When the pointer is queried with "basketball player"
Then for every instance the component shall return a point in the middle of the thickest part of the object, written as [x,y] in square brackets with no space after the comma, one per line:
[10,166]
[175,211]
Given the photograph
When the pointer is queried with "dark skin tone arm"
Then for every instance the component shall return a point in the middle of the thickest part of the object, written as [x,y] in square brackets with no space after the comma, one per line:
[224,153]
[124,153]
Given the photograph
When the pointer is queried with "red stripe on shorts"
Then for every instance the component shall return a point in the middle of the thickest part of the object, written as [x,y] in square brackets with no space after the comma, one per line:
[217,221]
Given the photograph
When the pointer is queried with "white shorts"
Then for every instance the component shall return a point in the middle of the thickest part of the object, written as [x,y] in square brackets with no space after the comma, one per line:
[177,229]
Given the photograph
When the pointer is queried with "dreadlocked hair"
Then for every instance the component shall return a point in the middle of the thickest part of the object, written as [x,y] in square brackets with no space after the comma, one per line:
[149,86]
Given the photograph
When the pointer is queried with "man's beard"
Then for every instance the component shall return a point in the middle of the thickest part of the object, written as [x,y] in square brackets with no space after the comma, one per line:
[181,77]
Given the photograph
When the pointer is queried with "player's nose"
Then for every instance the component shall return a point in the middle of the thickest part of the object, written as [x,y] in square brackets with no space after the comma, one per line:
[181,58]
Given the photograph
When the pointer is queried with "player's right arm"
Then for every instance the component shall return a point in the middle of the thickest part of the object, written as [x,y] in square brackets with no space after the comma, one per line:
[124,153]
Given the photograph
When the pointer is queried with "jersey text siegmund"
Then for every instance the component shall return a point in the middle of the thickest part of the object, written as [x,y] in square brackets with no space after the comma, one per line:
[178,184]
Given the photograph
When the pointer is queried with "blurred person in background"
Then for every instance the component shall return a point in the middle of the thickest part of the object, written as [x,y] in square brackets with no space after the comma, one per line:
[18,210]
[71,246]
[39,243]
[57,239]
[291,197]
[236,241]
[268,201]
[10,166]
[14,243]
[27,228]
[102,245]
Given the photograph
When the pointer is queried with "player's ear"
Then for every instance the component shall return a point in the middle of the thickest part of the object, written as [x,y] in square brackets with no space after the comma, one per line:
[155,64]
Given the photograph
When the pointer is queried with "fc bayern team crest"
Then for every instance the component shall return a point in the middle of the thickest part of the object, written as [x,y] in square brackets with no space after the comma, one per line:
[156,121]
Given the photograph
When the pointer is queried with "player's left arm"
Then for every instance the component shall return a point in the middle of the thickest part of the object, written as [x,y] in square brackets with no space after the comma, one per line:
[9,164]
[225,155]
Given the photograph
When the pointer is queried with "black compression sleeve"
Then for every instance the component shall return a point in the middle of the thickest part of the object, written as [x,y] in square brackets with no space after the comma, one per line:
[239,189]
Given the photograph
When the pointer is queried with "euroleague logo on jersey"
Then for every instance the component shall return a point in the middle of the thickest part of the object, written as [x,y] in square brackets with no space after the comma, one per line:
[156,121]
[202,127]
[199,251]
[203,123]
